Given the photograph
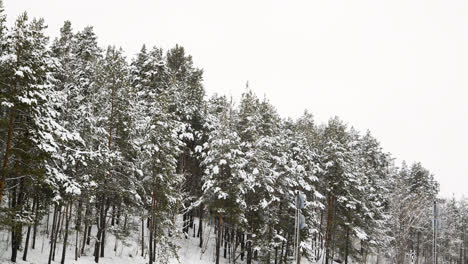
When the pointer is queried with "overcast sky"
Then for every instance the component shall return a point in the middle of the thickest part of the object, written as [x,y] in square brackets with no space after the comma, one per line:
[398,68]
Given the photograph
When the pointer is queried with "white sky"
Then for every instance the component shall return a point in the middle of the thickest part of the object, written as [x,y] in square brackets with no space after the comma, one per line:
[398,68]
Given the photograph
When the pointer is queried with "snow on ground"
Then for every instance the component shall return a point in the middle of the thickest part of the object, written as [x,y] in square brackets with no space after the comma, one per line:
[189,252]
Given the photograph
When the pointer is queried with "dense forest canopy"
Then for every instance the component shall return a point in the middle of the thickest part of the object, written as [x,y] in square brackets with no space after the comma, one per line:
[100,143]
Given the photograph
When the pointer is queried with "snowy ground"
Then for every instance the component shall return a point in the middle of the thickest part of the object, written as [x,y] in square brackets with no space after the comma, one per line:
[189,253]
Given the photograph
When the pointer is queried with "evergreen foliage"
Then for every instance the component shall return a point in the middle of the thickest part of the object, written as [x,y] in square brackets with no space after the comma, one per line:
[111,145]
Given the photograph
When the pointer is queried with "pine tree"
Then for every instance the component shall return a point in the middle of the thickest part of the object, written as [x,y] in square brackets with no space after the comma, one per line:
[225,179]
[158,138]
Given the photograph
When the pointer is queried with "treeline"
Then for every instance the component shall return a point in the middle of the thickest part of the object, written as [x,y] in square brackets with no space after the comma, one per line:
[102,145]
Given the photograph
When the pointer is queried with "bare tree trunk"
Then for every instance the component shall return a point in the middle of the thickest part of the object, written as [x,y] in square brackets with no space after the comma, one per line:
[119,212]
[48,218]
[7,152]
[417,247]
[85,232]
[226,238]
[249,249]
[142,236]
[103,241]
[88,239]
[78,227]
[68,213]
[97,245]
[113,215]
[26,244]
[60,224]
[328,228]
[57,229]
[347,245]
[150,253]
[281,253]
[287,248]
[191,219]
[233,244]
[219,236]
[54,220]
[276,254]
[200,226]
[14,229]
[242,245]
[154,239]
[18,227]
[36,220]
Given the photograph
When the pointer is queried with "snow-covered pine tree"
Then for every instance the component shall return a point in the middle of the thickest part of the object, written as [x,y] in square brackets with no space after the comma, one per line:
[188,104]
[342,184]
[111,103]
[306,164]
[77,56]
[158,138]
[35,135]
[225,179]
[259,130]
[412,194]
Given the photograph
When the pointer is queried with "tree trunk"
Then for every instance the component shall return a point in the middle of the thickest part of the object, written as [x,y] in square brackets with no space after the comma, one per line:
[18,227]
[249,249]
[242,246]
[154,240]
[57,227]
[226,238]
[97,245]
[61,224]
[36,221]
[150,246]
[276,255]
[78,228]
[281,253]
[142,236]
[113,215]
[200,226]
[14,229]
[184,223]
[104,225]
[7,152]
[347,246]
[88,239]
[219,236]
[48,220]
[328,228]
[103,242]
[287,248]
[26,244]
[100,227]
[119,212]
[54,220]
[417,247]
[67,224]
[85,232]
[234,243]
[191,219]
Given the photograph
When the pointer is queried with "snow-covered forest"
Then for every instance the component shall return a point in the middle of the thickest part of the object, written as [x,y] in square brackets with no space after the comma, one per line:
[95,145]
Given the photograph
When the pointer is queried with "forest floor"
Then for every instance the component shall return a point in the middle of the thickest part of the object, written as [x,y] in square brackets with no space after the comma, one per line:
[128,252]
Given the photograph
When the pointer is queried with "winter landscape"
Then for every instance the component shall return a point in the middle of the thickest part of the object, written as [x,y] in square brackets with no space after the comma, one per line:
[111,157]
